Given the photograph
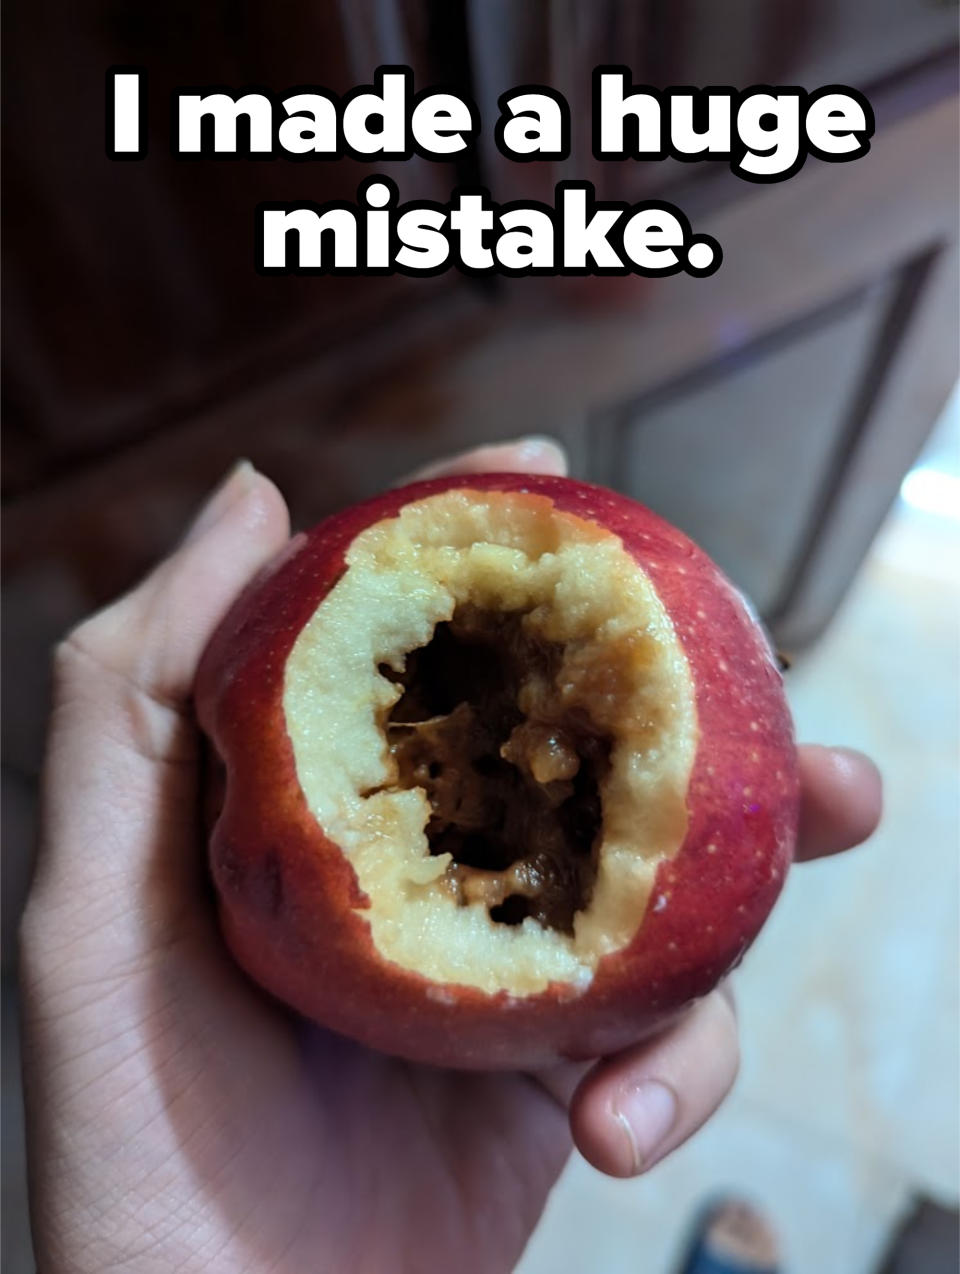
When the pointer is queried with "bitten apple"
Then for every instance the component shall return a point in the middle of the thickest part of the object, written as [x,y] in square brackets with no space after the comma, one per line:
[509,775]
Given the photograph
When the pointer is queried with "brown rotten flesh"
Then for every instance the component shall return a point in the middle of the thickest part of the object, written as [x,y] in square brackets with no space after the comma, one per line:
[513,781]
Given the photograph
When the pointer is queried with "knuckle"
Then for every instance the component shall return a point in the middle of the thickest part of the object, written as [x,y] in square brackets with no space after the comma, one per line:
[84,653]
[68,655]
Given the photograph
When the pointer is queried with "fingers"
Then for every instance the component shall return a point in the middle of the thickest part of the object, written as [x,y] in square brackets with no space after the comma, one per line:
[153,636]
[633,1109]
[525,455]
[120,773]
[841,800]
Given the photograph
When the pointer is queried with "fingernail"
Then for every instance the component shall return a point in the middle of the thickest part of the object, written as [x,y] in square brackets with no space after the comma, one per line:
[533,442]
[646,1115]
[220,499]
[536,450]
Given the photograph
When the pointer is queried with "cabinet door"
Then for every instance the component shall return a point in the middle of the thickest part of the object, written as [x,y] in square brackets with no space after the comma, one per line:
[131,295]
[738,452]
[774,407]
[831,338]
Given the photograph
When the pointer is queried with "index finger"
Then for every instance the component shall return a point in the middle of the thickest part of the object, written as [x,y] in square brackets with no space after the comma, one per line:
[525,455]
[841,799]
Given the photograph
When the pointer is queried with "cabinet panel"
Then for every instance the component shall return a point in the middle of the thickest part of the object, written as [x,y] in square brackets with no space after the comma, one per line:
[131,293]
[737,456]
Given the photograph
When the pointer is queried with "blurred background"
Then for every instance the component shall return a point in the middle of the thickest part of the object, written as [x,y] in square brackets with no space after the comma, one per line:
[792,413]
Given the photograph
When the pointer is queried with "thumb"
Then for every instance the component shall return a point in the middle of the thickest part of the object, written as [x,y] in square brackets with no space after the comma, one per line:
[120,781]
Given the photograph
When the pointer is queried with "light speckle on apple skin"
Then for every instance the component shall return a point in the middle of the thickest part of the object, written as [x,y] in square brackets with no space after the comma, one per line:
[441,995]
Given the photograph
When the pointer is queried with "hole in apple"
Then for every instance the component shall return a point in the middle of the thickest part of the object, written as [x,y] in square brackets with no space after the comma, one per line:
[512,911]
[513,778]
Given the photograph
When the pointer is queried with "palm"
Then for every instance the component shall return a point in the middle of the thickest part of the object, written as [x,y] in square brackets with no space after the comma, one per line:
[291,1142]
[256,1142]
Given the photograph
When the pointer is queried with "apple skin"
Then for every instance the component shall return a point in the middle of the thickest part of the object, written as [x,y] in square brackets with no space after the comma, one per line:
[290,906]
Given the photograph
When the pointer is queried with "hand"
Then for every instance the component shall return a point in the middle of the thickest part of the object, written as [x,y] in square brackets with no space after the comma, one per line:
[180,1120]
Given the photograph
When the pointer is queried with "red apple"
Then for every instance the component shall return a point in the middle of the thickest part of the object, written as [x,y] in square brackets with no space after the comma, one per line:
[510,776]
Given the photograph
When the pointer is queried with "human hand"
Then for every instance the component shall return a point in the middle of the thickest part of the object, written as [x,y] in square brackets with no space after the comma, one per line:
[180,1120]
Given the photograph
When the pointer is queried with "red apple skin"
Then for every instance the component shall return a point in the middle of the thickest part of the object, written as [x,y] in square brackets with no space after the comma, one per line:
[291,908]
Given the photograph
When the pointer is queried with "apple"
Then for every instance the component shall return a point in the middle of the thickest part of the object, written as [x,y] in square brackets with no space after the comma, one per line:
[509,775]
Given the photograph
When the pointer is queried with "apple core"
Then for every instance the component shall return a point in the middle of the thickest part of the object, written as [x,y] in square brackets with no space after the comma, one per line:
[493,718]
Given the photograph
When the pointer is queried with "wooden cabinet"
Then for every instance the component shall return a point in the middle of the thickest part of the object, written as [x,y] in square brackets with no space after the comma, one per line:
[771,409]
[131,296]
[778,434]
[739,452]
